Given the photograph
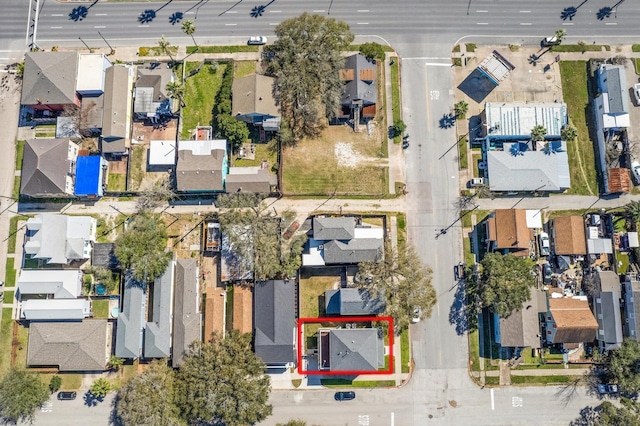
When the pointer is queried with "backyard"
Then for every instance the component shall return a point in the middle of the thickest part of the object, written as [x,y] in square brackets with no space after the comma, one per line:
[199,95]
[340,162]
[582,165]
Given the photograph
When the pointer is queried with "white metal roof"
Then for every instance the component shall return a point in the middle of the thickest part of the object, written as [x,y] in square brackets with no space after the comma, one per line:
[162,153]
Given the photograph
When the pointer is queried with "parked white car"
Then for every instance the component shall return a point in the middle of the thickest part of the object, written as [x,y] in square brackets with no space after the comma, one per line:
[545,247]
[257,40]
[635,169]
[636,93]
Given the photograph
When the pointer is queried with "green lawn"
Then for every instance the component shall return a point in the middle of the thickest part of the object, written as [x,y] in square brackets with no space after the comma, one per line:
[101,308]
[580,48]
[200,94]
[243,68]
[635,47]
[16,187]
[312,294]
[405,350]
[582,166]
[222,49]
[19,154]
[10,274]
[8,296]
[540,380]
[264,151]
[469,257]
[492,381]
[6,335]
[69,381]
[463,159]
[466,216]
[356,48]
[623,262]
[474,350]
[396,102]
[156,51]
[117,182]
[636,62]
[137,166]
[13,230]
[45,131]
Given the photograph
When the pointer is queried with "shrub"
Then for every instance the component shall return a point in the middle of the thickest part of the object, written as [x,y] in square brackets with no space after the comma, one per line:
[55,383]
[143,51]
[372,51]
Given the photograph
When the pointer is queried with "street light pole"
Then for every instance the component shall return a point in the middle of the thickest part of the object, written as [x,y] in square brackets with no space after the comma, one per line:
[86,45]
[105,40]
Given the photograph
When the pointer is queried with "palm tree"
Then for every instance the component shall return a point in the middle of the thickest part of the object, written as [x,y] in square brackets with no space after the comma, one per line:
[175,90]
[461,108]
[560,34]
[538,133]
[632,211]
[165,47]
[188,27]
[569,133]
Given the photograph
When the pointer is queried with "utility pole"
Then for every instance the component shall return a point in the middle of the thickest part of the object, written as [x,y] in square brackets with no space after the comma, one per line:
[86,45]
[105,40]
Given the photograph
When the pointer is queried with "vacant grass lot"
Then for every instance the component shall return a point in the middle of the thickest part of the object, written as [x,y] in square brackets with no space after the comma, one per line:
[100,308]
[312,294]
[117,182]
[200,94]
[312,167]
[582,166]
[138,166]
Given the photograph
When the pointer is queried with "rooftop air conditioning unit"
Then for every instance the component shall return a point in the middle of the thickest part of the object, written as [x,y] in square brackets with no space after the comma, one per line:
[321,247]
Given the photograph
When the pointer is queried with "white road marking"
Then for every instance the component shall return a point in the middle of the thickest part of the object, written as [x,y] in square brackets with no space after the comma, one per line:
[392,418]
[435,64]
[525,11]
[493,405]
[273,23]
[99,26]
[525,23]
[101,14]
[55,28]
[611,23]
[362,23]
[567,23]
[363,420]
[483,23]
[191,12]
[318,11]
[56,14]
[482,11]
[363,10]
[434,95]
[516,401]
[143,26]
[231,11]
[275,11]
[230,25]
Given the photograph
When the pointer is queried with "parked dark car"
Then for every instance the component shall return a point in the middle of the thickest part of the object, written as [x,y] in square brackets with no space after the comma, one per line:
[607,389]
[459,271]
[66,396]
[546,273]
[345,396]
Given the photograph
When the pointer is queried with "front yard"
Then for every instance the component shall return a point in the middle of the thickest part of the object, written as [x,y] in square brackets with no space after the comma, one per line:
[340,162]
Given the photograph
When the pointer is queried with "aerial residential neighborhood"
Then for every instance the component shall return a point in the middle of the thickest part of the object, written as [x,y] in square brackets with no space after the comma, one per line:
[319,214]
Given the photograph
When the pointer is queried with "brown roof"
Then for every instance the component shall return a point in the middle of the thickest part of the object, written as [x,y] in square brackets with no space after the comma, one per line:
[254,94]
[213,313]
[242,309]
[569,236]
[511,231]
[575,321]
[619,180]
[347,74]
[367,74]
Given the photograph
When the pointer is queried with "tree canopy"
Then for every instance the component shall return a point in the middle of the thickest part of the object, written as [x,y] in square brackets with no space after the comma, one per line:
[100,388]
[222,381]
[305,60]
[404,282]
[232,129]
[149,398]
[21,394]
[569,133]
[141,247]
[373,50]
[538,133]
[607,414]
[622,366]
[505,282]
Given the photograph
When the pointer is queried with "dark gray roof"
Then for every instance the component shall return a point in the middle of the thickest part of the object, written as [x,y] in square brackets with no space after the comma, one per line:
[200,172]
[521,329]
[259,182]
[356,349]
[45,167]
[187,320]
[355,87]
[49,78]
[130,320]
[72,346]
[606,308]
[103,255]
[632,307]
[115,127]
[353,251]
[157,333]
[333,228]
[352,301]
[150,93]
[613,82]
[274,321]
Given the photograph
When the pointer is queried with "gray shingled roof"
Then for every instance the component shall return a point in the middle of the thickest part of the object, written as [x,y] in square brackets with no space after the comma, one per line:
[200,172]
[607,313]
[115,127]
[103,255]
[45,167]
[333,228]
[352,301]
[150,92]
[274,321]
[254,94]
[522,327]
[72,346]
[187,320]
[353,251]
[359,349]
[130,320]
[157,333]
[49,78]
[613,82]
[259,182]
[358,89]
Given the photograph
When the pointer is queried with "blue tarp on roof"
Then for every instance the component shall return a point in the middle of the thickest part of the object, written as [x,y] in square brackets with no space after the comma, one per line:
[88,176]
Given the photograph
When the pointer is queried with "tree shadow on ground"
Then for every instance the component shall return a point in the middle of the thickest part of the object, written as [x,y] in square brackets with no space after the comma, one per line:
[176,18]
[476,86]
[447,121]
[80,12]
[462,314]
[257,11]
[90,400]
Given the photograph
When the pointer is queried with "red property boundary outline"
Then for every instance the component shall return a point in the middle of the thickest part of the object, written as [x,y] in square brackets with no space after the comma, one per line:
[302,321]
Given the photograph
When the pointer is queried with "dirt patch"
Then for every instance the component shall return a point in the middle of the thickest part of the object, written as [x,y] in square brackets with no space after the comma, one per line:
[118,167]
[143,134]
[184,232]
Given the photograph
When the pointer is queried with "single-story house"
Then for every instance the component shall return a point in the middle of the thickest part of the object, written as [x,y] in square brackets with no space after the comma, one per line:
[202,166]
[90,176]
[569,321]
[606,309]
[253,102]
[75,346]
[162,153]
[359,94]
[90,80]
[157,332]
[568,236]
[187,318]
[250,179]
[242,309]
[341,240]
[48,168]
[50,283]
[118,106]
[59,239]
[350,349]
[507,232]
[274,336]
[150,94]
[55,309]
[521,329]
[131,319]
[352,301]
[631,308]
[49,80]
